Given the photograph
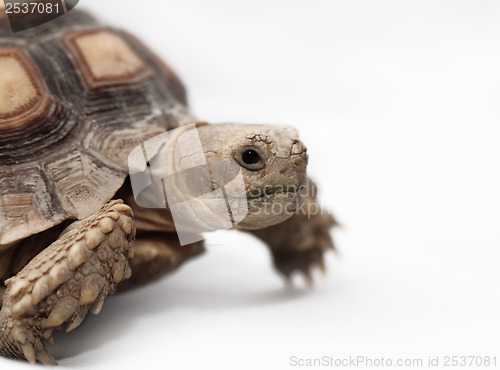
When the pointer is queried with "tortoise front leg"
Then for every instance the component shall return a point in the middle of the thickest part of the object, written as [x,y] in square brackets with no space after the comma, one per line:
[62,283]
[299,243]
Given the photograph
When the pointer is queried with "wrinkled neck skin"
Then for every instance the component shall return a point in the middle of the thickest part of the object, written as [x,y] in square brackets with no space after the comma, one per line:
[199,179]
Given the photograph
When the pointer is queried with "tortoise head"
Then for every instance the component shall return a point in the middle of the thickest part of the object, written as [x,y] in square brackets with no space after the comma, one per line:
[226,175]
[271,162]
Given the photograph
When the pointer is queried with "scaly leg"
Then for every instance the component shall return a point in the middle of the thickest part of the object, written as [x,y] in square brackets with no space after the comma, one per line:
[67,279]
[157,254]
[300,242]
[19,255]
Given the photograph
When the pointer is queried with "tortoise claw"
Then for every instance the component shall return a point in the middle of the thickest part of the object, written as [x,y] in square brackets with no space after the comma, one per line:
[46,359]
[304,261]
[38,352]
[321,266]
[308,277]
[21,343]
[29,352]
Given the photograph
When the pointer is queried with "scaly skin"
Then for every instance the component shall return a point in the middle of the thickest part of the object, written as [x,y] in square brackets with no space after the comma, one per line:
[66,280]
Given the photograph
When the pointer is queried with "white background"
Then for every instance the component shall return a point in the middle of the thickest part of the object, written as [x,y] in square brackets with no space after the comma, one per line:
[398,103]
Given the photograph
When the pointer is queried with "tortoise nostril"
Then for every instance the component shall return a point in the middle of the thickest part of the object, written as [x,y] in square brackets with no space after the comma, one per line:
[298,148]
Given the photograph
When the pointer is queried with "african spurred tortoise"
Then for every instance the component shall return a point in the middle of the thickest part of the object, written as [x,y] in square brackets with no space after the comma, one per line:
[76,97]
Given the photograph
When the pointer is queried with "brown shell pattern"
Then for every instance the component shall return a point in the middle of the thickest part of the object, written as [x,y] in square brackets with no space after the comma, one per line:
[75,98]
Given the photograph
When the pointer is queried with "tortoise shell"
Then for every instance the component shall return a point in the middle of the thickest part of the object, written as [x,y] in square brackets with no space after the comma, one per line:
[75,98]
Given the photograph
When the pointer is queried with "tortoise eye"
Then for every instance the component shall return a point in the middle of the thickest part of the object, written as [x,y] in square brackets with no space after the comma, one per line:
[250,158]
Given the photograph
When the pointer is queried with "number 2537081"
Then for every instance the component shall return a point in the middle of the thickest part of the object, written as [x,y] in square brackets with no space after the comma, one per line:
[32,8]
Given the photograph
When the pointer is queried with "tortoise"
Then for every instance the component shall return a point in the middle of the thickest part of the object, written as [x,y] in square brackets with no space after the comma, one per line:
[76,99]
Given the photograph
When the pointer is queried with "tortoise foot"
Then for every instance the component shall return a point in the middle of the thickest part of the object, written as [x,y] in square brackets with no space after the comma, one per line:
[66,280]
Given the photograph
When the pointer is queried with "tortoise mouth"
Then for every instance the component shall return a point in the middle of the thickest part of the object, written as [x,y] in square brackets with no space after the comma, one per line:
[274,202]
[276,191]
[270,207]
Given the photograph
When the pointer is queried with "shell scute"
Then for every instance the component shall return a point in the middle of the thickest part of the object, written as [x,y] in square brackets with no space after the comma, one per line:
[77,98]
[105,59]
[23,98]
